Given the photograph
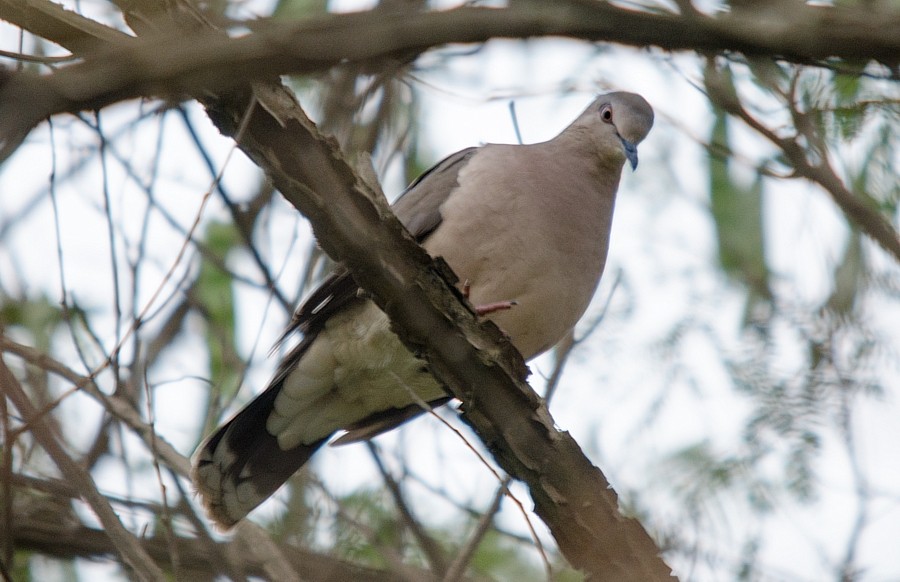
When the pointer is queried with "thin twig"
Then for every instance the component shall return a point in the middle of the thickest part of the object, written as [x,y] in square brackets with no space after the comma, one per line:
[165,514]
[429,545]
[40,59]
[465,554]
[534,536]
[115,405]
[113,249]
[125,542]
[6,487]
[178,258]
[237,216]
[869,220]
[389,554]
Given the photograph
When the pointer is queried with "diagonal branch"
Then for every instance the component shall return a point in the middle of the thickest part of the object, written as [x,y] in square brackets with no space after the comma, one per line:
[122,409]
[66,28]
[473,360]
[116,405]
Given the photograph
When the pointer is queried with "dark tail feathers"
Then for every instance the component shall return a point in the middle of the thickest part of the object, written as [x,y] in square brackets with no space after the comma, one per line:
[241,465]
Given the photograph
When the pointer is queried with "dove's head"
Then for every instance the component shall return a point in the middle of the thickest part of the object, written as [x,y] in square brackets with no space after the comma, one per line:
[616,123]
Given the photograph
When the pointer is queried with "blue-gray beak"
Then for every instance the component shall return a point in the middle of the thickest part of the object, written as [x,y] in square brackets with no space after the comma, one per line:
[630,152]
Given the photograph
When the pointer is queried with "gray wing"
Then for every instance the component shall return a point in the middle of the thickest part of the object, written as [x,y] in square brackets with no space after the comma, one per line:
[418,209]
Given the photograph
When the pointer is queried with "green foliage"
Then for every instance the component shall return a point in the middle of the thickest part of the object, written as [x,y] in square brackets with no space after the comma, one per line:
[214,295]
[367,526]
[849,278]
[769,74]
[367,531]
[38,316]
[747,571]
[500,558]
[32,315]
[737,213]
[700,475]
[293,9]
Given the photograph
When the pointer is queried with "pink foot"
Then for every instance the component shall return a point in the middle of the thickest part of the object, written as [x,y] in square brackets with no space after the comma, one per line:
[496,306]
[489,307]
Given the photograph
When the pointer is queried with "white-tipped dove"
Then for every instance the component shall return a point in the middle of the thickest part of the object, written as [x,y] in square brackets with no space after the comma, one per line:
[526,226]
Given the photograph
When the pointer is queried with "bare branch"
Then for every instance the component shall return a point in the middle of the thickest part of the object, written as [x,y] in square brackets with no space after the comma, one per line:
[51,21]
[125,542]
[58,537]
[115,405]
[356,227]
[428,544]
[467,552]
[178,65]
[867,219]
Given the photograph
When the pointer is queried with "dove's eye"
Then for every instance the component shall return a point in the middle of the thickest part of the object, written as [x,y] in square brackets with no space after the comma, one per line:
[606,113]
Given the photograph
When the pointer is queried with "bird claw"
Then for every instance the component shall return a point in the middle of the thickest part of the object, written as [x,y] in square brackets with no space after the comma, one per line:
[488,308]
[481,310]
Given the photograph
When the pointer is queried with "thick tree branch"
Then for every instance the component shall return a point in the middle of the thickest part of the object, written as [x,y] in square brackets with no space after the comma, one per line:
[356,227]
[52,22]
[179,65]
[473,360]
[65,540]
[794,31]
[570,494]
